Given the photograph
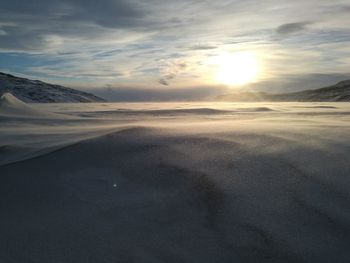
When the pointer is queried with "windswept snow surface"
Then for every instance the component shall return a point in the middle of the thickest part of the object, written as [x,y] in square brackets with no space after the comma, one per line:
[175,182]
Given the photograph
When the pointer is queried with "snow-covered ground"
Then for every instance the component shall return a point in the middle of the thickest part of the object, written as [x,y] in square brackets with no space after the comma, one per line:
[34,91]
[174,182]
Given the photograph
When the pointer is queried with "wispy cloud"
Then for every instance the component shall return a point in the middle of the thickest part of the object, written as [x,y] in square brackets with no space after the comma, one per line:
[172,70]
[161,43]
[291,28]
[202,47]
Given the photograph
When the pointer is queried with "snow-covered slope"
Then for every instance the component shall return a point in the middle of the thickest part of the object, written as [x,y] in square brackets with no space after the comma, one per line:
[338,92]
[11,107]
[37,91]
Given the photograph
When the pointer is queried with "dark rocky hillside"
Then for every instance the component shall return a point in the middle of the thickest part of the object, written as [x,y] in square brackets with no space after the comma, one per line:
[37,91]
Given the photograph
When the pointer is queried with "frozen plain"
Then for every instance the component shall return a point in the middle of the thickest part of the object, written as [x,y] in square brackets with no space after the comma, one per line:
[174,182]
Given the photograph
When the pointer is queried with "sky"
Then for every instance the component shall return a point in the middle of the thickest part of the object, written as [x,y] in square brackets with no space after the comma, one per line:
[169,49]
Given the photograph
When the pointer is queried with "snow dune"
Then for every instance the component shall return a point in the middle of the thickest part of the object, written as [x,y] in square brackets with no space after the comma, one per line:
[29,130]
[244,186]
[11,107]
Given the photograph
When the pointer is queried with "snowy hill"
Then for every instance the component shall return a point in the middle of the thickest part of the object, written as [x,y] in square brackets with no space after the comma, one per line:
[37,91]
[338,92]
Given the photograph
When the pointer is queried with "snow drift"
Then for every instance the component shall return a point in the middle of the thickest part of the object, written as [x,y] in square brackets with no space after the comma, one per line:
[11,106]
[260,183]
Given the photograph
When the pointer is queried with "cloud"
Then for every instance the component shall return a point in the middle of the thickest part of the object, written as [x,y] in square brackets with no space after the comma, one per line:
[291,28]
[163,82]
[169,94]
[28,24]
[293,82]
[336,8]
[107,13]
[174,69]
[202,47]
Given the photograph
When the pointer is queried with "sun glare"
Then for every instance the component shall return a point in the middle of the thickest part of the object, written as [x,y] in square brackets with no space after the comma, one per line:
[236,68]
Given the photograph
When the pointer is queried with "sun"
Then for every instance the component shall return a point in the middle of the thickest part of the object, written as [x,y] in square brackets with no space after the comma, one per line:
[237,68]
